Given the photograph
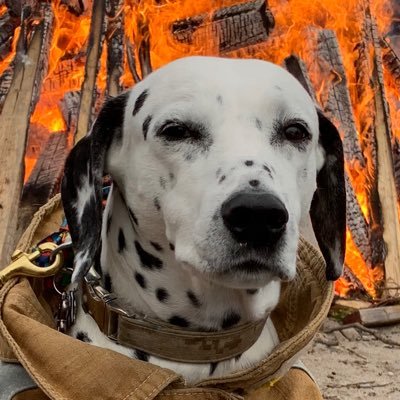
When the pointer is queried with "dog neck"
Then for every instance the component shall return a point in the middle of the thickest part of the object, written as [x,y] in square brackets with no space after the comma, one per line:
[147,278]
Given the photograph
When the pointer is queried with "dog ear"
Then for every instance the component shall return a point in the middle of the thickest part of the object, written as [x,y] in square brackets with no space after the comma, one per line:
[81,188]
[328,207]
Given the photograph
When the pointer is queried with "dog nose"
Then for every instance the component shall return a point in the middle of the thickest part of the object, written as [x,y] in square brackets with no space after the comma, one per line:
[255,218]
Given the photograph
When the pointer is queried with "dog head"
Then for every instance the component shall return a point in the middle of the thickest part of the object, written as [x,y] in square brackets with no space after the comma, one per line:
[225,157]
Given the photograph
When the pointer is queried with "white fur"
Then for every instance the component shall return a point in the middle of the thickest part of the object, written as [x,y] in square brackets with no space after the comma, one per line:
[239,103]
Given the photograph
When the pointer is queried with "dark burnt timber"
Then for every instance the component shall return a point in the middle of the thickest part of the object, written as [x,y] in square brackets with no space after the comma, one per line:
[391,60]
[337,103]
[130,56]
[8,23]
[234,27]
[44,181]
[396,165]
[115,46]
[14,122]
[357,224]
[89,92]
[144,49]
[298,69]
[385,169]
[355,284]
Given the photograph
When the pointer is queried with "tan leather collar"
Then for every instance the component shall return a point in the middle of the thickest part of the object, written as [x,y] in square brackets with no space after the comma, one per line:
[162,339]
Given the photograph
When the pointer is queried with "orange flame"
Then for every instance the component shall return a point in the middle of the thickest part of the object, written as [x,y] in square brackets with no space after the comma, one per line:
[294,33]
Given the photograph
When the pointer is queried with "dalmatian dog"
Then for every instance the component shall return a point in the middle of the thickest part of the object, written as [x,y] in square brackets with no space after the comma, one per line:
[217,164]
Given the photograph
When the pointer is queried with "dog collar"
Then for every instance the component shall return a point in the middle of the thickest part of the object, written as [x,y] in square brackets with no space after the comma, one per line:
[159,338]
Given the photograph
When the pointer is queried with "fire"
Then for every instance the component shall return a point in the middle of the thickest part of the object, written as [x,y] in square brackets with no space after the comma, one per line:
[296,22]
[65,73]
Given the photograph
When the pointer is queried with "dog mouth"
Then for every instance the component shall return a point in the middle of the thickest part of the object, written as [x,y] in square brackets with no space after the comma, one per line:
[256,267]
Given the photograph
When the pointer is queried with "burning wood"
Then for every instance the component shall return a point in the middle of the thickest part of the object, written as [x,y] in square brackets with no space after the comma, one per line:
[44,181]
[14,127]
[336,101]
[115,46]
[385,171]
[391,60]
[88,92]
[234,27]
[8,23]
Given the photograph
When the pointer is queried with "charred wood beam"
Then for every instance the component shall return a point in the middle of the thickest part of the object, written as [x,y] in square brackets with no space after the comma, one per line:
[70,107]
[115,46]
[357,224]
[391,60]
[44,181]
[144,49]
[355,284]
[76,7]
[8,23]
[88,92]
[337,105]
[385,169]
[14,122]
[130,55]
[234,27]
[396,165]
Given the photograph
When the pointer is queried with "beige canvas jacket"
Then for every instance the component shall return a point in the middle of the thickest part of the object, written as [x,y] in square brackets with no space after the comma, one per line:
[65,368]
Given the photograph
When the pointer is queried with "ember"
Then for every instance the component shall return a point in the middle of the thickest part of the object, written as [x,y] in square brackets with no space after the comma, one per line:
[338,49]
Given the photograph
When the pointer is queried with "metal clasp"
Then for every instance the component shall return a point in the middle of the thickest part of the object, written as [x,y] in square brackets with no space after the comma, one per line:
[23,265]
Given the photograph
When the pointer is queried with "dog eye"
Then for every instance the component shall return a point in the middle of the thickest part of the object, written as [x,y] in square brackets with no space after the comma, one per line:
[175,131]
[296,133]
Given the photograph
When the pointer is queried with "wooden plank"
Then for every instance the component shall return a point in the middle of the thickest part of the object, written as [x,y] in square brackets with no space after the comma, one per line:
[115,46]
[385,170]
[233,27]
[14,124]
[44,181]
[378,316]
[88,91]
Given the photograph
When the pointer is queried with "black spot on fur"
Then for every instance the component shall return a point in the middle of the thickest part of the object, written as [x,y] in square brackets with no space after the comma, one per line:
[145,126]
[254,182]
[223,177]
[141,355]
[140,101]
[268,169]
[213,367]
[157,204]
[172,247]
[107,283]
[237,358]
[248,163]
[251,291]
[108,224]
[179,321]
[231,318]
[171,176]
[83,337]
[121,241]
[148,260]
[258,124]
[162,295]
[133,216]
[156,246]
[140,279]
[219,99]
[193,299]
